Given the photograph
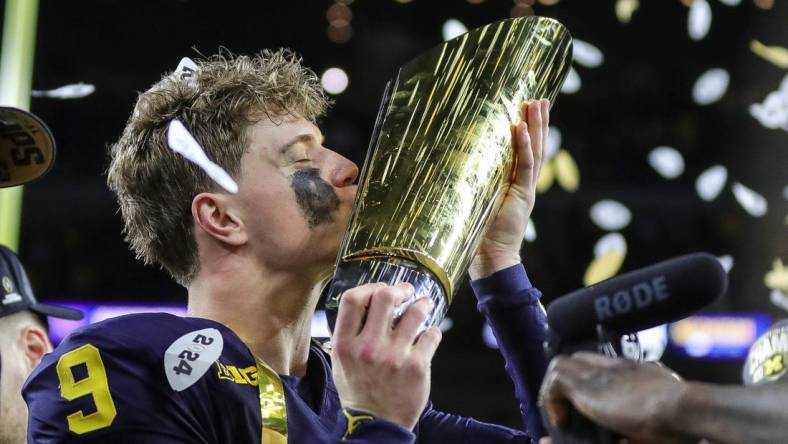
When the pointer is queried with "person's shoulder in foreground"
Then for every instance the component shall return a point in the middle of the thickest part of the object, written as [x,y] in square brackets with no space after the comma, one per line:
[145,378]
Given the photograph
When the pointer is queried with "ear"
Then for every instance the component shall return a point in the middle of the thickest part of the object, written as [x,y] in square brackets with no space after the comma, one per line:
[35,344]
[214,214]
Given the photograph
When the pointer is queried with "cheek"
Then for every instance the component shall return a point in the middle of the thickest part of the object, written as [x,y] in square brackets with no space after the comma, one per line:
[268,204]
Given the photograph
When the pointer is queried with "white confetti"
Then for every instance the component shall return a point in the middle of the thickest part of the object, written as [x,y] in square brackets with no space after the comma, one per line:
[553,142]
[730,2]
[666,161]
[334,80]
[74,91]
[319,328]
[710,183]
[610,243]
[530,231]
[446,324]
[610,215]
[779,299]
[752,202]
[572,83]
[488,337]
[773,112]
[186,69]
[710,86]
[653,342]
[453,28]
[726,261]
[182,142]
[699,19]
[586,54]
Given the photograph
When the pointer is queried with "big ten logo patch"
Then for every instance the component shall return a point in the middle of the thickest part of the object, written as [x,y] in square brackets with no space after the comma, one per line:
[239,375]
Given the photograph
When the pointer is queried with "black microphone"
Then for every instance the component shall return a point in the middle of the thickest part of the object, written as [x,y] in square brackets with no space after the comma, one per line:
[595,318]
[641,299]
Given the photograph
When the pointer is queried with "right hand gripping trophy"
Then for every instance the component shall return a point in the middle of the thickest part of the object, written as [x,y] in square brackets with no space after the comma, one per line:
[440,160]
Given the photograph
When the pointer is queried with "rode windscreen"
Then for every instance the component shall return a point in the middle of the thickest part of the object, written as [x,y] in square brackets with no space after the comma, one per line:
[641,299]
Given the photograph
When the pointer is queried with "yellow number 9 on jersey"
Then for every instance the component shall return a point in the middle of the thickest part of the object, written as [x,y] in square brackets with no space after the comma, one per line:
[94,384]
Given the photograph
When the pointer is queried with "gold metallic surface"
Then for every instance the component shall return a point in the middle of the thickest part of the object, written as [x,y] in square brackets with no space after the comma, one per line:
[272,405]
[441,159]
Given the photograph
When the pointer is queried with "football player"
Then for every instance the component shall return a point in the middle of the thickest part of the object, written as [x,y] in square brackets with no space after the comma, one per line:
[241,367]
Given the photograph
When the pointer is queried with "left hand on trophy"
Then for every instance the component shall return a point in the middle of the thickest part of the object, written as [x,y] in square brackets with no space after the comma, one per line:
[500,246]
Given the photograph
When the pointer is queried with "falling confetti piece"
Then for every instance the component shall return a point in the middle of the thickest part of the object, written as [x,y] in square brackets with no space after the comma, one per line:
[603,267]
[566,171]
[553,142]
[726,261]
[773,54]
[182,142]
[653,342]
[610,215]
[488,336]
[75,91]
[546,177]
[320,327]
[779,299]
[446,324]
[453,28]
[609,253]
[773,112]
[699,19]
[572,83]
[711,182]
[710,86]
[625,9]
[777,277]
[586,54]
[730,2]
[186,69]
[611,242]
[530,231]
[666,161]
[752,202]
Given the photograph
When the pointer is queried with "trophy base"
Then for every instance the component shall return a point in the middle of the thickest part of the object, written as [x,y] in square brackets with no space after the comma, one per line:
[389,270]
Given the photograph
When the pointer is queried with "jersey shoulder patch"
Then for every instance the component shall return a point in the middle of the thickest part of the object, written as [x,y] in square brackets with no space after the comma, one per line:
[190,356]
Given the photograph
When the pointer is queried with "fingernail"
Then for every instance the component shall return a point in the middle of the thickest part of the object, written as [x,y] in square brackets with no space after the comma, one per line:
[407,287]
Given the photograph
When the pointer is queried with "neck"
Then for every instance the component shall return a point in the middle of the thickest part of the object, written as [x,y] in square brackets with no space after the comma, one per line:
[270,310]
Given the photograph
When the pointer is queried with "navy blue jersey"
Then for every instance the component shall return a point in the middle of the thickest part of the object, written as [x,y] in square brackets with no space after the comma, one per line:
[158,378]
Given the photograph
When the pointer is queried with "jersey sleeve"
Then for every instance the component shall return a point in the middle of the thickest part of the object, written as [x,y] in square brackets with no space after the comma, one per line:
[511,305]
[440,427]
[101,384]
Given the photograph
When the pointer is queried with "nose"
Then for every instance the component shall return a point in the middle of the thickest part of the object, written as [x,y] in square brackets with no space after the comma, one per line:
[344,172]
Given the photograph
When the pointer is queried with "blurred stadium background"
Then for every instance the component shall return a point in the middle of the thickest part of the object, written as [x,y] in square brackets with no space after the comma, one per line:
[673,138]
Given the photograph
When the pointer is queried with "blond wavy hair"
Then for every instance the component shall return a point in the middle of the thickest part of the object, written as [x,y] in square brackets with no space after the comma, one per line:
[218,104]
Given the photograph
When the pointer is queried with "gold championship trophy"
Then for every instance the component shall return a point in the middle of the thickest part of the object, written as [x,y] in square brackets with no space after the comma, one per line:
[440,160]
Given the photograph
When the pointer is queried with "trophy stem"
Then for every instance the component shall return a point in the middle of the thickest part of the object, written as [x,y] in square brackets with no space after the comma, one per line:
[389,270]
